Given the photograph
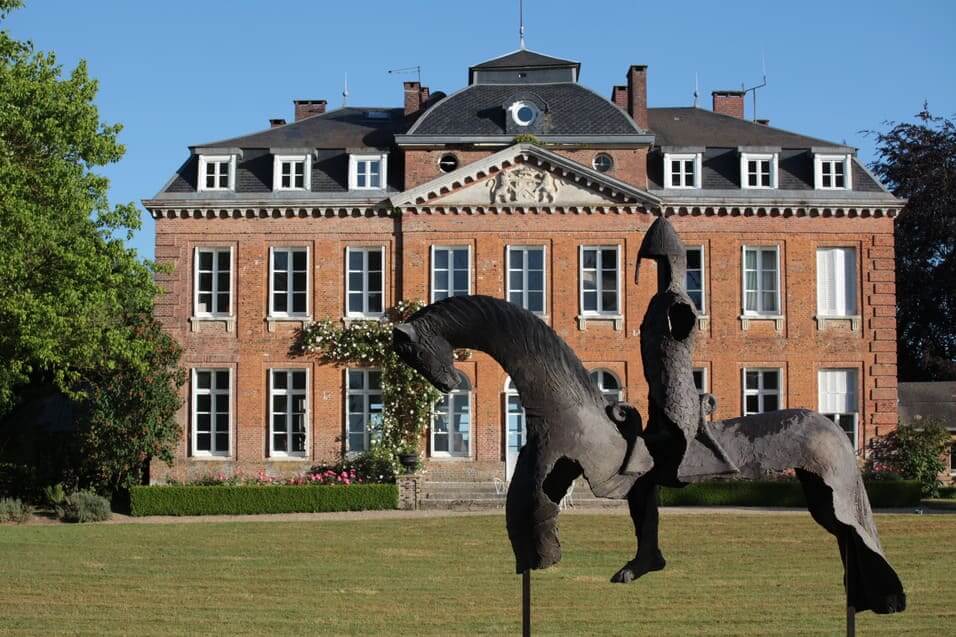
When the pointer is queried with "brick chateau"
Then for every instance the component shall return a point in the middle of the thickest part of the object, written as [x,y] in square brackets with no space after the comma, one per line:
[341,213]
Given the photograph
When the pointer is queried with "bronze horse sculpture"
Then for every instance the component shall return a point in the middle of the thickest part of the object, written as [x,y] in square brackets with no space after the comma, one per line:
[572,431]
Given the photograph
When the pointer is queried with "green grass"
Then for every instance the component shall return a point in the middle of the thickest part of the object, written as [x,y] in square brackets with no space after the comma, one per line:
[727,574]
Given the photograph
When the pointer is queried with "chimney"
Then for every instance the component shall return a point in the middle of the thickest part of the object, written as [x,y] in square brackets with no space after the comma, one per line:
[413,97]
[275,123]
[637,94]
[729,103]
[308,108]
[619,96]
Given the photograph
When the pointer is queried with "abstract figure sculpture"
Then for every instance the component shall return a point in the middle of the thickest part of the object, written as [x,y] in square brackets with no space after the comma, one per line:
[571,430]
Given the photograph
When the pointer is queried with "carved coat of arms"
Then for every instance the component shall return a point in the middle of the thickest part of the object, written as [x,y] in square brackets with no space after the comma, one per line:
[523,185]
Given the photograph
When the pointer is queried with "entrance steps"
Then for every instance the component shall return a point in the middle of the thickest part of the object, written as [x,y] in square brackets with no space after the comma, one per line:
[483,495]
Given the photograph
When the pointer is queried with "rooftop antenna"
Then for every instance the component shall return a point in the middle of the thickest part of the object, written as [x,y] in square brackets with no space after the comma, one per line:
[521,24]
[696,89]
[408,69]
[753,89]
[345,91]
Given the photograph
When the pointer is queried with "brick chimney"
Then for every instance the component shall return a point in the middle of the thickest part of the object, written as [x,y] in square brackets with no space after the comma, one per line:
[308,108]
[275,123]
[729,103]
[416,96]
[619,96]
[637,94]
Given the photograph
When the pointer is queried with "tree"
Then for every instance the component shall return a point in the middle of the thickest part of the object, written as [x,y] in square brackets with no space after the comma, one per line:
[917,161]
[913,452]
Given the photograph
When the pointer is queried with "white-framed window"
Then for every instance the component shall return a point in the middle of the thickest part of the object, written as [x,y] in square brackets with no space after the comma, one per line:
[607,383]
[211,412]
[761,282]
[364,408]
[832,172]
[600,280]
[365,281]
[838,399]
[288,412]
[451,271]
[836,281]
[212,282]
[516,431]
[292,172]
[368,172]
[701,383]
[682,170]
[694,281]
[216,172]
[289,282]
[526,271]
[451,421]
[762,390]
[758,170]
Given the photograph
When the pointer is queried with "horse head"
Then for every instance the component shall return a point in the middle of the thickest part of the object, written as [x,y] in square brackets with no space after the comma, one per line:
[430,355]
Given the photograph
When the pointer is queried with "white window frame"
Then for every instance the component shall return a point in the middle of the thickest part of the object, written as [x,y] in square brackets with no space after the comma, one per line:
[511,453]
[524,275]
[366,393]
[705,378]
[451,285]
[306,172]
[820,159]
[204,160]
[760,392]
[289,314]
[602,374]
[759,290]
[682,157]
[702,310]
[354,161]
[457,391]
[214,393]
[852,383]
[599,290]
[745,174]
[215,281]
[364,250]
[290,394]
[844,282]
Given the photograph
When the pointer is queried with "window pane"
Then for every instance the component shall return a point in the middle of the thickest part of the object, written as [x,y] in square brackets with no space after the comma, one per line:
[535,280]
[752,380]
[609,301]
[461,259]
[441,259]
[517,259]
[770,402]
[375,281]
[280,281]
[356,379]
[768,259]
[299,303]
[771,380]
[752,404]
[375,260]
[299,259]
[279,380]
[222,302]
[280,260]
[535,302]
[693,259]
[355,260]
[590,258]
[203,379]
[222,380]
[298,281]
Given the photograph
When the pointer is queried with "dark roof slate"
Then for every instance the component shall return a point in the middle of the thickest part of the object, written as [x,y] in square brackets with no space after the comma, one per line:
[524,58]
[690,126]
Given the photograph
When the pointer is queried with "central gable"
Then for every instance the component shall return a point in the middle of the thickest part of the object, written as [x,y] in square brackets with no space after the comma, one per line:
[528,184]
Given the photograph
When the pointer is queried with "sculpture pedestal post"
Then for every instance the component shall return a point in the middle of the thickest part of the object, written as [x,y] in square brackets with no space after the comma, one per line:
[850,610]
[526,603]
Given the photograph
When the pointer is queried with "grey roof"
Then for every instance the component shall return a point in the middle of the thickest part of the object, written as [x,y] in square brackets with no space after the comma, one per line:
[690,126]
[919,401]
[524,58]
[570,109]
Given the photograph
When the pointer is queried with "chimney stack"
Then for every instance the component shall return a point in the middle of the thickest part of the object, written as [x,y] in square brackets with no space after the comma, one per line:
[416,96]
[308,108]
[275,123]
[619,96]
[729,103]
[637,94]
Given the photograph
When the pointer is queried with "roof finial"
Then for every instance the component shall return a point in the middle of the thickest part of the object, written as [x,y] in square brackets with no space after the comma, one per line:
[345,90]
[521,24]
[696,89]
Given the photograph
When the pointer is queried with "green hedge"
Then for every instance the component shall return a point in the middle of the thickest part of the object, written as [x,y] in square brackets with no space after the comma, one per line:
[780,493]
[238,500]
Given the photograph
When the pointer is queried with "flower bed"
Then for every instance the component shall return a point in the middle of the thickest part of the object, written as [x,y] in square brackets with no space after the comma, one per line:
[781,493]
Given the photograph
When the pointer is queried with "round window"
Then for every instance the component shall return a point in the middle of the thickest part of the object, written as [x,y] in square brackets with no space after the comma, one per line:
[523,113]
[447,163]
[602,162]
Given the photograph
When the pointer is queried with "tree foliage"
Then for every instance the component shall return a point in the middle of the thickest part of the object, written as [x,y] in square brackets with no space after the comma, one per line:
[912,452]
[917,161]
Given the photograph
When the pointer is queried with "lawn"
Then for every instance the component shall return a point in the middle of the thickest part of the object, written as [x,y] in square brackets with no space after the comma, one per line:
[727,574]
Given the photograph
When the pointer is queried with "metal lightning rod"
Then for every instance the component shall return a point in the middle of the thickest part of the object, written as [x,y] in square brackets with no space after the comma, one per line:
[408,69]
[753,89]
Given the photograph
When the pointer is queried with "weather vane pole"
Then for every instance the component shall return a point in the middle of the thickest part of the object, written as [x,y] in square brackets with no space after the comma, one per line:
[521,24]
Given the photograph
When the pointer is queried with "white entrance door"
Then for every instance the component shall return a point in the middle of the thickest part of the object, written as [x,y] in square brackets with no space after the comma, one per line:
[515,431]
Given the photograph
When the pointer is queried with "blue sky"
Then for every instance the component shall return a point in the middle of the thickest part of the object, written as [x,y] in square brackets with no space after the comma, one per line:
[177,73]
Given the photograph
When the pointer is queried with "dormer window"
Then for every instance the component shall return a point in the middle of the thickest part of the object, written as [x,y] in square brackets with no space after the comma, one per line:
[523,113]
[682,170]
[832,172]
[368,172]
[758,170]
[292,172]
[217,172]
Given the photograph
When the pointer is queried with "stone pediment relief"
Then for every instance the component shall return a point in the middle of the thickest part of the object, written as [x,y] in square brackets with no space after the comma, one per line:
[524,185]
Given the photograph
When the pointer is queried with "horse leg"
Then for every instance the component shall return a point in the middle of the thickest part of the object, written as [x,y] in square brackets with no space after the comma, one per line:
[642,503]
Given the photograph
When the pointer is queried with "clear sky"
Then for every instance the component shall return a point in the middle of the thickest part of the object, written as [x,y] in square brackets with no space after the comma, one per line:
[177,73]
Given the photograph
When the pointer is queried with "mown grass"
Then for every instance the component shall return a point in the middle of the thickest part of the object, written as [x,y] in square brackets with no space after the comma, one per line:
[727,575]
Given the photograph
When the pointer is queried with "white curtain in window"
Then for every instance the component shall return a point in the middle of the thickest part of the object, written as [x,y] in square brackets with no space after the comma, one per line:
[836,281]
[837,391]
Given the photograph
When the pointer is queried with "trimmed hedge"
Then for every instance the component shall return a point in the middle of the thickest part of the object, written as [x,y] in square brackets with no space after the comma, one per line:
[781,493]
[241,500]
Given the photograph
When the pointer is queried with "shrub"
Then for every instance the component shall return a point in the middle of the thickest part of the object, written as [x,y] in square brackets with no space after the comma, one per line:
[915,453]
[54,495]
[84,506]
[18,481]
[14,510]
[780,493]
[240,500]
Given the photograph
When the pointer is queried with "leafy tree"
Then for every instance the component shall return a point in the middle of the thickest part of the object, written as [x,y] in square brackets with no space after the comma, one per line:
[913,452]
[917,160]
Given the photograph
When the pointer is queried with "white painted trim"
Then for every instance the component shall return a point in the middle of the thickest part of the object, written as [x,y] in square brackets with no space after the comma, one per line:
[365,393]
[619,394]
[289,314]
[706,378]
[230,401]
[307,416]
[820,158]
[759,313]
[431,267]
[353,170]
[619,312]
[703,276]
[470,393]
[855,377]
[544,274]
[215,250]
[744,175]
[365,290]
[230,160]
[306,172]
[760,392]
[847,306]
[682,157]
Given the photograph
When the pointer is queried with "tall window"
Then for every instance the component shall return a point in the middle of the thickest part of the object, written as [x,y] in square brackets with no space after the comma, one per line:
[216,172]
[700,379]
[292,172]
[365,281]
[761,390]
[836,281]
[761,281]
[758,170]
[515,427]
[451,421]
[526,277]
[682,171]
[210,407]
[289,282]
[367,172]
[837,389]
[694,282]
[288,407]
[832,172]
[213,282]
[600,283]
[364,408]
[608,384]
[451,272]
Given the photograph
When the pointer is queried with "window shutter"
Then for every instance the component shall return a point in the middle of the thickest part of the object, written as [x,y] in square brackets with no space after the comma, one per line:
[826,292]
[849,281]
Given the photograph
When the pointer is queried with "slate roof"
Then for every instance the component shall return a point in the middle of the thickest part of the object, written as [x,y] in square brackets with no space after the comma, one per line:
[690,126]
[524,58]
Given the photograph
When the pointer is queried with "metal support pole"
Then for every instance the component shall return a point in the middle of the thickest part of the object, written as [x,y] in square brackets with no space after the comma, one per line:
[526,603]
[850,566]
